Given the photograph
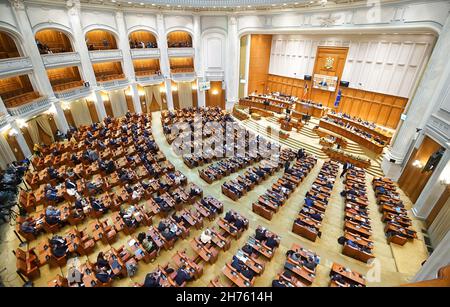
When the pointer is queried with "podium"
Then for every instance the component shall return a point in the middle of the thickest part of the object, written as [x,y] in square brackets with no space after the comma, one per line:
[286,126]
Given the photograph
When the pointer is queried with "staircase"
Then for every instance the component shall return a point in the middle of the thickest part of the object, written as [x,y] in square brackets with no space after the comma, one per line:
[294,144]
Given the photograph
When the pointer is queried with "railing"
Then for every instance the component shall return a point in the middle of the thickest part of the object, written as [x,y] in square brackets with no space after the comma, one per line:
[180,52]
[214,75]
[112,84]
[3,120]
[57,59]
[105,55]
[145,53]
[38,105]
[150,79]
[183,76]
[73,93]
[12,66]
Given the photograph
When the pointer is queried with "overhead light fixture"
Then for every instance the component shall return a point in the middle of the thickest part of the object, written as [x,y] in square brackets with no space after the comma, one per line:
[21,123]
[215,92]
[417,164]
[13,132]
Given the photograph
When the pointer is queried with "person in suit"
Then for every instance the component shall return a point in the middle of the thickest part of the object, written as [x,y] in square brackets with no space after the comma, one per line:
[271,242]
[182,276]
[152,280]
[260,234]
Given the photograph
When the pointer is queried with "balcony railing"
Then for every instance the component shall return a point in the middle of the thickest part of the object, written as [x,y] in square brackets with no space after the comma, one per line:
[105,55]
[181,52]
[113,84]
[60,59]
[183,76]
[150,79]
[73,93]
[3,120]
[145,53]
[15,66]
[36,106]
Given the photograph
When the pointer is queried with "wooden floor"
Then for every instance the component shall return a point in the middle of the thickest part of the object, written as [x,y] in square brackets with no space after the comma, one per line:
[394,265]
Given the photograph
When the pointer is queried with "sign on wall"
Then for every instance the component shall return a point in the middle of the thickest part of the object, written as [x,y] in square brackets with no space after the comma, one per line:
[204,85]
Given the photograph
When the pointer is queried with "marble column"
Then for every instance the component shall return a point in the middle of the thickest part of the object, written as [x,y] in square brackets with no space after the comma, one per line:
[127,61]
[79,42]
[99,105]
[438,259]
[421,105]
[60,118]
[21,140]
[42,82]
[433,189]
[136,98]
[198,59]
[247,63]
[232,72]
[164,60]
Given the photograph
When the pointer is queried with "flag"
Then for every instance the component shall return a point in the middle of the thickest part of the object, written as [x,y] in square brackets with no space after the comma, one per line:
[305,91]
[338,99]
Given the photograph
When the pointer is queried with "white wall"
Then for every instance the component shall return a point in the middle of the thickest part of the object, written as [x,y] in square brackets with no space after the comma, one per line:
[138,21]
[394,61]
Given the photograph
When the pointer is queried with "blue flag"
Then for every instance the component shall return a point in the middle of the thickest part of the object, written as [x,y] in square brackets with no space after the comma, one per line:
[338,99]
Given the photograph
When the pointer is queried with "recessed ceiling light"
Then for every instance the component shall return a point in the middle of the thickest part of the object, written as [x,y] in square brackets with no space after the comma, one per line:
[249,6]
[178,5]
[284,3]
[141,3]
[129,2]
[153,4]
[168,5]
[113,1]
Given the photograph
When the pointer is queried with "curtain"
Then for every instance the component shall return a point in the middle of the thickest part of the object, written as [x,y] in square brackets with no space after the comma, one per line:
[148,97]
[80,113]
[33,131]
[157,94]
[6,154]
[42,121]
[441,225]
[185,94]
[118,103]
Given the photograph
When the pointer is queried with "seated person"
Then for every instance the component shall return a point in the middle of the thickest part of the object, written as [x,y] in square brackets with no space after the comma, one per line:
[59,246]
[50,193]
[52,215]
[29,227]
[271,242]
[97,205]
[205,237]
[182,275]
[103,275]
[146,242]
[152,280]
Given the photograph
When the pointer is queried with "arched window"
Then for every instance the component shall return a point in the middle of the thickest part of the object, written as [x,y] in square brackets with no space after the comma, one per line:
[100,40]
[142,39]
[52,41]
[179,39]
[8,48]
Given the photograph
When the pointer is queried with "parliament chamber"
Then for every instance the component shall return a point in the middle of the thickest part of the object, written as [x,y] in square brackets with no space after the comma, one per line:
[225,143]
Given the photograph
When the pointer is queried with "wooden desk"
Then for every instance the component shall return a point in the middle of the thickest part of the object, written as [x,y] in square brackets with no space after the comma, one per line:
[369,144]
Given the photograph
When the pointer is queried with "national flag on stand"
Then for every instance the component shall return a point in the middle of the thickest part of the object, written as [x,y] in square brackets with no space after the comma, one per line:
[338,99]
[305,91]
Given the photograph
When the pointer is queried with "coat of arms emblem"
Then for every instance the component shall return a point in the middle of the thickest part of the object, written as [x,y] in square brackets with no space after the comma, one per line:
[329,63]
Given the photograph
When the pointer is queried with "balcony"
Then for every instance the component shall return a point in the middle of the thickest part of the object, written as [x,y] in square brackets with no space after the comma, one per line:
[149,79]
[183,74]
[215,75]
[3,120]
[31,108]
[61,59]
[112,84]
[180,52]
[73,93]
[145,53]
[105,55]
[15,66]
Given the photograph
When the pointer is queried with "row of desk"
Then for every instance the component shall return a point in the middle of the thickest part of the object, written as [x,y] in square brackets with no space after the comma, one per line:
[345,132]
